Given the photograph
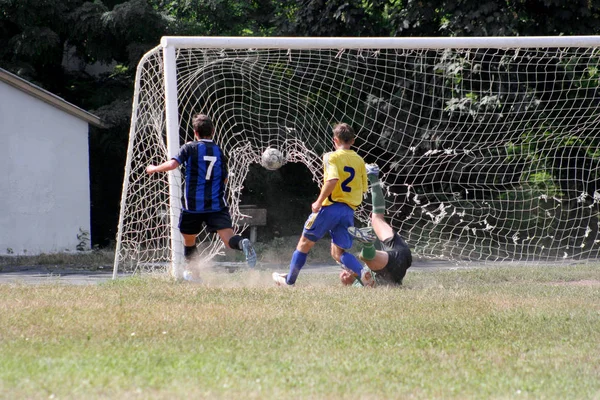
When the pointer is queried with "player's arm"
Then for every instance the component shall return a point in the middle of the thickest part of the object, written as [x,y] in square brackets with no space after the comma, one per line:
[166,166]
[347,277]
[331,176]
[326,190]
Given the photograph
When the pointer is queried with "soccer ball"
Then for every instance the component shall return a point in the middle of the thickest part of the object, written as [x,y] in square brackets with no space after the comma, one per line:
[272,159]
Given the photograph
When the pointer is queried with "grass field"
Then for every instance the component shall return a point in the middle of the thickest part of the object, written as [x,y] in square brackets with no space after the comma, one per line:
[501,333]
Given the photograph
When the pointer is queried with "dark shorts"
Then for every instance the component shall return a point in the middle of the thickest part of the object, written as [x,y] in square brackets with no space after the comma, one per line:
[400,259]
[192,223]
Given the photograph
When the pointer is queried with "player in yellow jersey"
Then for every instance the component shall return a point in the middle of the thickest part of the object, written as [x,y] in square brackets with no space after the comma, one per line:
[345,182]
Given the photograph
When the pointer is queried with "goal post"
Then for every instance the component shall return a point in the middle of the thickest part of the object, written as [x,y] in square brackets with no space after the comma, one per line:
[172,126]
[487,145]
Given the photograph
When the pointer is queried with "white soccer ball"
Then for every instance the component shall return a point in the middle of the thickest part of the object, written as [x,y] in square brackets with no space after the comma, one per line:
[272,159]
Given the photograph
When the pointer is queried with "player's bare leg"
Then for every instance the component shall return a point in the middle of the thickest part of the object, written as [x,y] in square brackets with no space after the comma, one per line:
[382,229]
[236,242]
[226,235]
[304,245]
[336,252]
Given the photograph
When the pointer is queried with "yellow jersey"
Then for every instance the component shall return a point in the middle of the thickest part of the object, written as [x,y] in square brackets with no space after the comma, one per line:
[349,169]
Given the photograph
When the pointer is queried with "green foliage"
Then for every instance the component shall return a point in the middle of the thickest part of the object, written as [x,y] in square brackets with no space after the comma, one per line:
[543,181]
[34,36]
[220,17]
[335,18]
[494,18]
[93,43]
[138,28]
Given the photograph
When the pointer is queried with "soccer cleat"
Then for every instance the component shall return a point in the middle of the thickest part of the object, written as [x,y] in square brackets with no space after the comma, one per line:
[187,275]
[249,253]
[363,235]
[372,169]
[366,278]
[280,279]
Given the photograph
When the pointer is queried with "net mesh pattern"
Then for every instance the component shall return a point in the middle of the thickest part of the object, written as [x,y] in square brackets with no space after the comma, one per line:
[485,154]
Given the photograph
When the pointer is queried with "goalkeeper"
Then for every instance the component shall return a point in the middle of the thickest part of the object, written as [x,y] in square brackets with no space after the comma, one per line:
[389,265]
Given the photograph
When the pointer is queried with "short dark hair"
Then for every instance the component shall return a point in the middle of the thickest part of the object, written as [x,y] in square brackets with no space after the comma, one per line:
[344,132]
[203,125]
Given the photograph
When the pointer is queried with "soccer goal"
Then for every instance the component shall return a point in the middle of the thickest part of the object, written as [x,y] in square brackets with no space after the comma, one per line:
[488,146]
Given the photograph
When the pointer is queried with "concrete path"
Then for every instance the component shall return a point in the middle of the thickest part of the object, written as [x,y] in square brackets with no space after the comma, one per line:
[81,276]
[41,274]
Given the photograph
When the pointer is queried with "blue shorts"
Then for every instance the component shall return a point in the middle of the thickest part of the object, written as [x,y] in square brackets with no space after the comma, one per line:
[335,219]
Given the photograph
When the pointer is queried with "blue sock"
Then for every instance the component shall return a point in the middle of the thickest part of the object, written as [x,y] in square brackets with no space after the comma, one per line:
[298,260]
[351,262]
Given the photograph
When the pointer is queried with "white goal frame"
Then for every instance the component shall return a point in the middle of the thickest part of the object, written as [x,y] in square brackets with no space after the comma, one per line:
[171,44]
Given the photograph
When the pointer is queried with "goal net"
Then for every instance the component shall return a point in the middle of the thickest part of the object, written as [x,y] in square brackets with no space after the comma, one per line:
[488,147]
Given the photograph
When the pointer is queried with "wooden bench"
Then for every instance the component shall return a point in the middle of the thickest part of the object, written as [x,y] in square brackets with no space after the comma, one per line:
[255,217]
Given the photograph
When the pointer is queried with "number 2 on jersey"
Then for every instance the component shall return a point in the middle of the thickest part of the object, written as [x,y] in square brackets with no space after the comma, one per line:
[347,181]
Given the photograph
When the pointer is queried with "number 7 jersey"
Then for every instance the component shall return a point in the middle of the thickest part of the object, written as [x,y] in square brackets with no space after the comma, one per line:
[205,176]
[349,168]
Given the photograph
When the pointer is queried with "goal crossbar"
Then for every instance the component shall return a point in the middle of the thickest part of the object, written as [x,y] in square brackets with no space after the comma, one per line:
[495,42]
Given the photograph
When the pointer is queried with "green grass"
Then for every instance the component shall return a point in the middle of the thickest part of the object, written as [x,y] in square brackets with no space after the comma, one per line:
[512,332]
[84,260]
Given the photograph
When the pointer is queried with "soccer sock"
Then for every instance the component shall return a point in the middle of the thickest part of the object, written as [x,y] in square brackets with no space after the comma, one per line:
[368,251]
[377,198]
[189,252]
[351,262]
[236,242]
[296,264]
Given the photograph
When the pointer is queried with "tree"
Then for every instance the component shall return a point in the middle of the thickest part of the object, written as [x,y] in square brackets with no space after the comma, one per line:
[221,17]
[35,36]
[494,18]
[334,18]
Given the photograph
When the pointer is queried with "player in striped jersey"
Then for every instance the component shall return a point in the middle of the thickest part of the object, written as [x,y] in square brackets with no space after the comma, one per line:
[345,182]
[205,171]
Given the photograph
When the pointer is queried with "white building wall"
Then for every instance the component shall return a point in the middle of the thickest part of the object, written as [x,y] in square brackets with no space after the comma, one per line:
[44,183]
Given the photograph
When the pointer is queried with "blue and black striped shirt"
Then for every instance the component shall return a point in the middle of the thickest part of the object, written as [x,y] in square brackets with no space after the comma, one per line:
[205,175]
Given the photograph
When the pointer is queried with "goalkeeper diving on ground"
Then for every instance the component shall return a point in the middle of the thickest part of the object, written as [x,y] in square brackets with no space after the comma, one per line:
[387,266]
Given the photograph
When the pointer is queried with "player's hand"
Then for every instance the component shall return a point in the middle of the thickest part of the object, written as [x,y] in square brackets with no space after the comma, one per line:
[150,169]
[316,206]
[347,277]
